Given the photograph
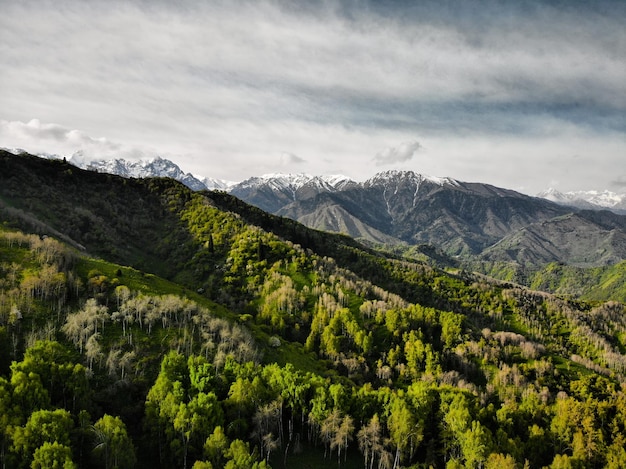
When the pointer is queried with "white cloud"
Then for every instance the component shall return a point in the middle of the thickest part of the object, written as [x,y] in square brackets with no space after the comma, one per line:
[399,154]
[39,138]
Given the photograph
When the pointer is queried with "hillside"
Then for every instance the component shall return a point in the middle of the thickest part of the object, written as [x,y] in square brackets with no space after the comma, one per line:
[271,344]
[523,235]
[470,221]
[492,230]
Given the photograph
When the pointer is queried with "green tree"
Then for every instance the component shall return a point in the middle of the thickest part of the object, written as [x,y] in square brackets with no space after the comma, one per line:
[28,392]
[451,327]
[202,465]
[239,457]
[10,414]
[404,428]
[53,456]
[64,380]
[456,421]
[567,418]
[163,401]
[113,446]
[476,445]
[500,461]
[42,426]
[194,421]
[616,453]
[563,461]
[215,446]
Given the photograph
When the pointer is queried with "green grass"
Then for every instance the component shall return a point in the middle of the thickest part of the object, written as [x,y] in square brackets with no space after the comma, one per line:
[132,278]
[291,352]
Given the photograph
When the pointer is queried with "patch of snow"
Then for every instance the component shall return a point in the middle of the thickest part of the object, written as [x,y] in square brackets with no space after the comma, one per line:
[582,199]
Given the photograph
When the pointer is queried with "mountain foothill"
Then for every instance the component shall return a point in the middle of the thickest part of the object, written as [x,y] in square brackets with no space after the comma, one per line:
[304,321]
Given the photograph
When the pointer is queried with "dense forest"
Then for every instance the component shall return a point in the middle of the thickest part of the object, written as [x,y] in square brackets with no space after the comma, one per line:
[146,325]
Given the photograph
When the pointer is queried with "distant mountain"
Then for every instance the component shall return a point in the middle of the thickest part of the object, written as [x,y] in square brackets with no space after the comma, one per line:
[470,221]
[150,167]
[465,220]
[271,192]
[459,217]
[153,167]
[594,200]
[584,238]
[216,184]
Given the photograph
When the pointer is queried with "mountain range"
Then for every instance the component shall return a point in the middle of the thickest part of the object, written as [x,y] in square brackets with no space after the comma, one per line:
[594,200]
[472,222]
[261,190]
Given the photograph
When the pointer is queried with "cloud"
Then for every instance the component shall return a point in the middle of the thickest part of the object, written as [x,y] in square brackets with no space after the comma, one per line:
[35,130]
[114,61]
[620,182]
[224,87]
[49,138]
[289,158]
[400,154]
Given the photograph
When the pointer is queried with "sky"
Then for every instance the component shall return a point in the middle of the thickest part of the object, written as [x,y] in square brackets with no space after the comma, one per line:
[520,94]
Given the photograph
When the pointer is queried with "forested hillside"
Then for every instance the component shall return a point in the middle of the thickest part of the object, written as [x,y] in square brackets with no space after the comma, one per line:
[145,325]
[496,231]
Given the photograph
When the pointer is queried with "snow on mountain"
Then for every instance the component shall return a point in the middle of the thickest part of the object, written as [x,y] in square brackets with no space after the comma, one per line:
[302,185]
[286,182]
[21,151]
[338,181]
[293,182]
[16,151]
[587,199]
[152,167]
[216,184]
[273,191]
[393,176]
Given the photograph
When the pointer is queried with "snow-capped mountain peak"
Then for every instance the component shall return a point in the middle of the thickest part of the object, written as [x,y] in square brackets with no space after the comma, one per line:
[587,199]
[338,181]
[394,176]
[150,167]
[272,191]
[294,182]
[287,181]
[216,184]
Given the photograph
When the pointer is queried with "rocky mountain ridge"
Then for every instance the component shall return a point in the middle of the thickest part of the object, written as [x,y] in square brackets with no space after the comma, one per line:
[469,221]
[162,167]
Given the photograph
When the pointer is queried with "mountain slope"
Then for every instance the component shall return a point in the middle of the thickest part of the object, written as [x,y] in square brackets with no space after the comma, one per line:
[274,326]
[128,220]
[469,220]
[154,167]
[584,239]
[273,191]
[461,218]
